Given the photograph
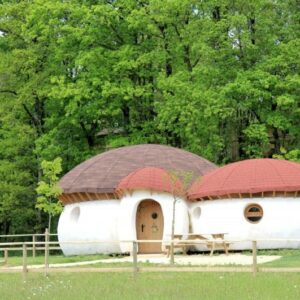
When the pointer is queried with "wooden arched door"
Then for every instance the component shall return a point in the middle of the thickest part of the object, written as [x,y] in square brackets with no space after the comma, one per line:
[149,226]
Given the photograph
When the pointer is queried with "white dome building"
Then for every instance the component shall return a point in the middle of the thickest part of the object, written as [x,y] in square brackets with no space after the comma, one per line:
[125,194]
[255,199]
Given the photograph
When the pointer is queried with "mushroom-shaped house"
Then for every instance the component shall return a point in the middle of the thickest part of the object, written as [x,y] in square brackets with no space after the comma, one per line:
[256,199]
[125,194]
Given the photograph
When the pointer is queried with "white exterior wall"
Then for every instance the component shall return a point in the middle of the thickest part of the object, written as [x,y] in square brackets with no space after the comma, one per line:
[108,220]
[97,220]
[128,209]
[281,220]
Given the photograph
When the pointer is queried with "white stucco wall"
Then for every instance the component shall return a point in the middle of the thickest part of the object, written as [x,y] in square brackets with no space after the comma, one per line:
[97,220]
[128,209]
[281,220]
[108,220]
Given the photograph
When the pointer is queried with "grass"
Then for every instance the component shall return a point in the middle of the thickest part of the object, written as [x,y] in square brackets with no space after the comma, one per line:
[150,286]
[54,259]
[290,257]
[187,285]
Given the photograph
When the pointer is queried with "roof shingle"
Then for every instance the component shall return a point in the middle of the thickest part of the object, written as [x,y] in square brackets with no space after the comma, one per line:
[248,176]
[103,172]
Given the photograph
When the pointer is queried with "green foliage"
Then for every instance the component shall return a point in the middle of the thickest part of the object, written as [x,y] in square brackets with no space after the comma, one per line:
[218,78]
[293,155]
[48,189]
[16,172]
[257,138]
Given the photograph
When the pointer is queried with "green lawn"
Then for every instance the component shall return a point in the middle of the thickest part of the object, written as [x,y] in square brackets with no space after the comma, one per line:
[54,259]
[290,257]
[64,286]
[173,286]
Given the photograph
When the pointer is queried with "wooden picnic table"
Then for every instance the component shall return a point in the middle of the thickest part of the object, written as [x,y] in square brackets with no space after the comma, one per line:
[213,241]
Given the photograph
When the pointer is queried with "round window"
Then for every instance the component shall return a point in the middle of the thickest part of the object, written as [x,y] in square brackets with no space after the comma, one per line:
[196,212]
[154,215]
[75,213]
[253,213]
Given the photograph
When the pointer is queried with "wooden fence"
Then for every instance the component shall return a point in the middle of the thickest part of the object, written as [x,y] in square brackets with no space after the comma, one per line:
[46,245]
[33,246]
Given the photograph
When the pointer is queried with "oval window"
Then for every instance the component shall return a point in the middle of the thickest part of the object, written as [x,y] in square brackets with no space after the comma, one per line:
[253,213]
[154,215]
[197,212]
[75,213]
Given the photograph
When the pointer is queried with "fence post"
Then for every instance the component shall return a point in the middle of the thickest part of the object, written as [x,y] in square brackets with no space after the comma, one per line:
[172,261]
[5,256]
[46,251]
[254,256]
[134,256]
[24,261]
[33,245]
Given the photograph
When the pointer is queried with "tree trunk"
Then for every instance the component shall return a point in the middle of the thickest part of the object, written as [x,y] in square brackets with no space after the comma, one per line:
[49,223]
[172,232]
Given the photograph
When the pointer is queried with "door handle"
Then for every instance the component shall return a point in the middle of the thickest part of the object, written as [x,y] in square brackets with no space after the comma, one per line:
[143,227]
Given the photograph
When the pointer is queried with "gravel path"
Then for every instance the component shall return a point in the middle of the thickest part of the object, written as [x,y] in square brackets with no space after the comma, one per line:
[199,260]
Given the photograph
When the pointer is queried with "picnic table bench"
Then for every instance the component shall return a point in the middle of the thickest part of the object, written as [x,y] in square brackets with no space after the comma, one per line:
[212,241]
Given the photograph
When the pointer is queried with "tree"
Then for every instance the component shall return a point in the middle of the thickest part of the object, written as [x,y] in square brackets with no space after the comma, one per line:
[218,78]
[179,181]
[293,155]
[48,189]
[17,169]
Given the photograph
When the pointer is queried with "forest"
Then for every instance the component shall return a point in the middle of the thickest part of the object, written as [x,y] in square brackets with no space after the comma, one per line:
[217,78]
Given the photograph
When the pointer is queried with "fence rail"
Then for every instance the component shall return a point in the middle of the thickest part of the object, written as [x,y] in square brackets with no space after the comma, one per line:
[25,235]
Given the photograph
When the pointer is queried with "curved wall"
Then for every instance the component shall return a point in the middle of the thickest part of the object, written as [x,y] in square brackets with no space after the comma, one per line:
[128,209]
[281,220]
[89,221]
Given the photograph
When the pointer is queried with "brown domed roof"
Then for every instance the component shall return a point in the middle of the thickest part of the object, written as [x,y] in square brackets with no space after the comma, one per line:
[248,177]
[103,172]
[153,179]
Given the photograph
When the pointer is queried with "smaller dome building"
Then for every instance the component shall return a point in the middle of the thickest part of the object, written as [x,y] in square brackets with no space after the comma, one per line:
[151,218]
[256,199]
